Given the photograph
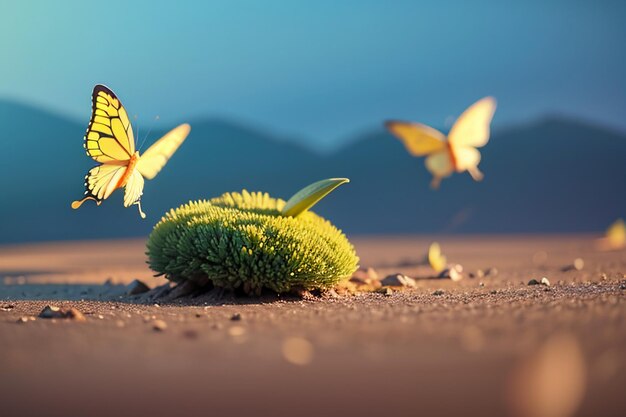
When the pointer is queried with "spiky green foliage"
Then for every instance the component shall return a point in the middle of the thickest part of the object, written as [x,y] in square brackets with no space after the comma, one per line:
[241,240]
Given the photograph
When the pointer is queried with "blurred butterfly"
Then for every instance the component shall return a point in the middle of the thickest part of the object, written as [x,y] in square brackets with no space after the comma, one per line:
[456,153]
[109,140]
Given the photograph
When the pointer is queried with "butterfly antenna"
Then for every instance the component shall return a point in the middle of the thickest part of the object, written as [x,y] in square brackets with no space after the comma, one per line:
[136,127]
[147,134]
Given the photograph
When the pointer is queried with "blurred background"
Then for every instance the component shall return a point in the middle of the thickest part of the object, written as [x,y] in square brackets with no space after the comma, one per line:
[280,94]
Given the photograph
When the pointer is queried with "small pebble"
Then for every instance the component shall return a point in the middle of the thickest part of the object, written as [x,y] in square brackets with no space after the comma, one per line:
[399,280]
[75,314]
[51,312]
[7,307]
[364,275]
[533,282]
[236,317]
[452,272]
[545,281]
[577,265]
[387,291]
[159,325]
[491,272]
[137,287]
[439,292]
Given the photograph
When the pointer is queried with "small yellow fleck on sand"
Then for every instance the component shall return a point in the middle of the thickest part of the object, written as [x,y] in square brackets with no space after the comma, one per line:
[297,350]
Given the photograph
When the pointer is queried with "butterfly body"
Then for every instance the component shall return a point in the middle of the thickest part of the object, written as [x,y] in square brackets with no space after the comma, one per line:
[109,141]
[130,168]
[455,153]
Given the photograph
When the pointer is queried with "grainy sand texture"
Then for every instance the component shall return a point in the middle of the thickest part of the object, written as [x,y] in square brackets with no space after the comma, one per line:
[486,345]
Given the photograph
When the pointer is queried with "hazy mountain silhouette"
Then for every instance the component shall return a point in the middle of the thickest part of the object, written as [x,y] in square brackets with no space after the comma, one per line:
[556,175]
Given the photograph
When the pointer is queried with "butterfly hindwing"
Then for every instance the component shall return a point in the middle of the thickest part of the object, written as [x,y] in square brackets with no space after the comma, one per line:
[100,182]
[439,164]
[157,155]
[133,191]
[109,137]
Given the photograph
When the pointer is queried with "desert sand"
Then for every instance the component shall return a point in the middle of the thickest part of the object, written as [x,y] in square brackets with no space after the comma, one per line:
[484,346]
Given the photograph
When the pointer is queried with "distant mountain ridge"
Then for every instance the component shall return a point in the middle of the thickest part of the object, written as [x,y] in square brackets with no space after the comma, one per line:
[555,175]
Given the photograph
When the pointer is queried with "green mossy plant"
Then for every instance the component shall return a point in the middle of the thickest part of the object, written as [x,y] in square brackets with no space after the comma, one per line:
[244,241]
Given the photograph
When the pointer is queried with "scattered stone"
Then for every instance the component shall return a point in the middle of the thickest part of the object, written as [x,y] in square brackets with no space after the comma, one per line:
[159,325]
[25,319]
[478,274]
[236,317]
[439,292]
[198,315]
[386,291]
[622,286]
[493,292]
[183,289]
[577,265]
[481,284]
[137,287]
[544,281]
[51,312]
[399,280]
[75,314]
[364,275]
[160,291]
[7,307]
[54,312]
[491,272]
[453,272]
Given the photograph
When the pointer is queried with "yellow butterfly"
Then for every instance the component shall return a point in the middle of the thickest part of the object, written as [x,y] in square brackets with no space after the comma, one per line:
[109,140]
[456,153]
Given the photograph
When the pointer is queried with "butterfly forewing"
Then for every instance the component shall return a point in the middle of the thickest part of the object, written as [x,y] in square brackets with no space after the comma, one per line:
[419,139]
[472,127]
[156,156]
[109,137]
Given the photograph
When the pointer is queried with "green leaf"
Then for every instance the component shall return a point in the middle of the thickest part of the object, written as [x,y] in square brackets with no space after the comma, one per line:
[310,195]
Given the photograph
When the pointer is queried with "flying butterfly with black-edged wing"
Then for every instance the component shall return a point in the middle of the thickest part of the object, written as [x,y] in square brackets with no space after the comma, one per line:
[109,140]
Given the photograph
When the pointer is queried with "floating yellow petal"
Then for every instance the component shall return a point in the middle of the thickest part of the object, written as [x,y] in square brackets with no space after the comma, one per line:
[310,195]
[615,238]
[436,260]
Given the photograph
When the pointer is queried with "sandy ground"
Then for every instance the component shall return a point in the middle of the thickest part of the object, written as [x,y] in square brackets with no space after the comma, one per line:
[487,346]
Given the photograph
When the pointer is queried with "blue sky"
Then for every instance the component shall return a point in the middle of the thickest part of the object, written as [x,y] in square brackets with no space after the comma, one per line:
[320,71]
